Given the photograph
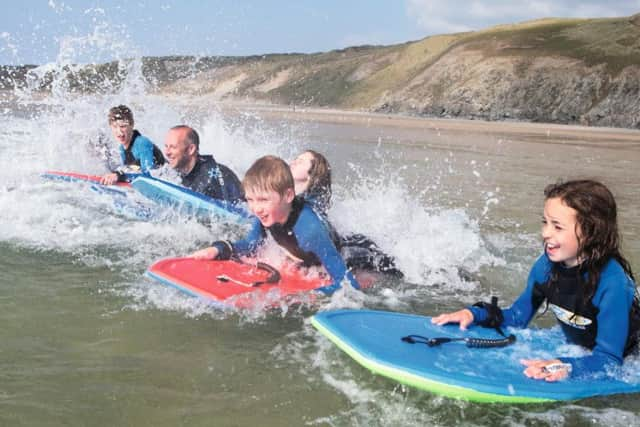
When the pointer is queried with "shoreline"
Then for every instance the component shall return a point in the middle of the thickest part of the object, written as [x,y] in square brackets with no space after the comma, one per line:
[522,131]
[575,134]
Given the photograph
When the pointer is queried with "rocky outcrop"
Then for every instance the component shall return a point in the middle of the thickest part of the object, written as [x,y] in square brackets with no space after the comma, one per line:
[620,107]
[468,84]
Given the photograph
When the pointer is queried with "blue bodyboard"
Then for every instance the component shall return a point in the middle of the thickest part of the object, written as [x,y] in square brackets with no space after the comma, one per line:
[374,339]
[188,202]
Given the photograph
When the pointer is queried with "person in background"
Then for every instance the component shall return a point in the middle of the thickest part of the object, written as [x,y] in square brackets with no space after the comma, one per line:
[297,229]
[312,176]
[137,153]
[200,173]
[584,279]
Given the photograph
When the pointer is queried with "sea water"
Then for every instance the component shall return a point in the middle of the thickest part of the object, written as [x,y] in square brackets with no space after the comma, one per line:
[87,340]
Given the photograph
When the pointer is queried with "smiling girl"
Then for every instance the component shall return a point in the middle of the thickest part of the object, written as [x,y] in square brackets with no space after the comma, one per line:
[582,276]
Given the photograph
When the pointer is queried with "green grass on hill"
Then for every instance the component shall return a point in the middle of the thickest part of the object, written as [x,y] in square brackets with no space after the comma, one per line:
[613,42]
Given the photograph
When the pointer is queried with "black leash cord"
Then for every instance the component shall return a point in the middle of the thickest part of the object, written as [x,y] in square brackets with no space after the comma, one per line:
[274,276]
[469,342]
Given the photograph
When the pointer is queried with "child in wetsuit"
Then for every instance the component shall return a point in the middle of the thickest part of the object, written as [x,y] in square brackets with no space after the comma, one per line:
[312,176]
[292,223]
[583,278]
[136,151]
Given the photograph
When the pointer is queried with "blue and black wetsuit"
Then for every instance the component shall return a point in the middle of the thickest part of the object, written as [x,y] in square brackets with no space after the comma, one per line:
[142,153]
[608,324]
[320,201]
[306,239]
[214,180]
[358,251]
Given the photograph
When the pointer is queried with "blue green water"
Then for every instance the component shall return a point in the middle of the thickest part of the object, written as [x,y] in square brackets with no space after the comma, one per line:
[87,340]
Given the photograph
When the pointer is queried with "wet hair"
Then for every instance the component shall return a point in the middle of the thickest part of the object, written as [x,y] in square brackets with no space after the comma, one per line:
[319,186]
[191,135]
[268,173]
[120,112]
[596,227]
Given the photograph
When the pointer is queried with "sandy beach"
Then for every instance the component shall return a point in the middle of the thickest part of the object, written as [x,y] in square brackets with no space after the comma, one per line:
[508,130]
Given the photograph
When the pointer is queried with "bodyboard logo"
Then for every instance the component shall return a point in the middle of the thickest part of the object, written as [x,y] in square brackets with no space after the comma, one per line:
[569,318]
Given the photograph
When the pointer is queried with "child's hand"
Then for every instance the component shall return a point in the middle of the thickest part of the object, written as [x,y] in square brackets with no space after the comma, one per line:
[109,179]
[463,317]
[548,370]
[206,253]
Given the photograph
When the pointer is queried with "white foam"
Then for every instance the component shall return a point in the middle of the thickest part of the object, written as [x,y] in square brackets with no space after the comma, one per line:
[431,242]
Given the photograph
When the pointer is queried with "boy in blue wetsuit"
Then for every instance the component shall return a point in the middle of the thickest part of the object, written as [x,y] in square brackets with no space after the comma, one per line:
[584,279]
[136,151]
[298,230]
[198,172]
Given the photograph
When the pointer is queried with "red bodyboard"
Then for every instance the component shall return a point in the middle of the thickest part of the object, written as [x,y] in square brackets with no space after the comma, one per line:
[72,176]
[200,278]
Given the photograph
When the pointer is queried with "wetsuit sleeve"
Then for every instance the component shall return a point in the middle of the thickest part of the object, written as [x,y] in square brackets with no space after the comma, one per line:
[523,309]
[613,299]
[246,246]
[313,236]
[143,152]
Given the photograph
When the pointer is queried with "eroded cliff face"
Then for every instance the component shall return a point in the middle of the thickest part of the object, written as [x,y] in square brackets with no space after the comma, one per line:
[555,70]
[466,83]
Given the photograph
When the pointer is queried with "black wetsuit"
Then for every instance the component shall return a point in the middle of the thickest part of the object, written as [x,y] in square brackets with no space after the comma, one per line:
[362,253]
[214,180]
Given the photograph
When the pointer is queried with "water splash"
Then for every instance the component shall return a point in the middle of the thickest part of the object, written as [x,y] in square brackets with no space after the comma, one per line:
[434,244]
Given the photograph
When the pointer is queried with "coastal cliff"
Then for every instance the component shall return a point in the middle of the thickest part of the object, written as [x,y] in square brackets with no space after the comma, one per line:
[580,71]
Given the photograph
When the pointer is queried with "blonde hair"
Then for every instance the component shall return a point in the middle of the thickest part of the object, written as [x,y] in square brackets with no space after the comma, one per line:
[268,173]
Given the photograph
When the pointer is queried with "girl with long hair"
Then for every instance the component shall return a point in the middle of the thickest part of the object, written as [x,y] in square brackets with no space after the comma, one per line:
[583,278]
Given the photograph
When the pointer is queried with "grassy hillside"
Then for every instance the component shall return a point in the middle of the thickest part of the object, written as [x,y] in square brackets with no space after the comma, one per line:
[613,42]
